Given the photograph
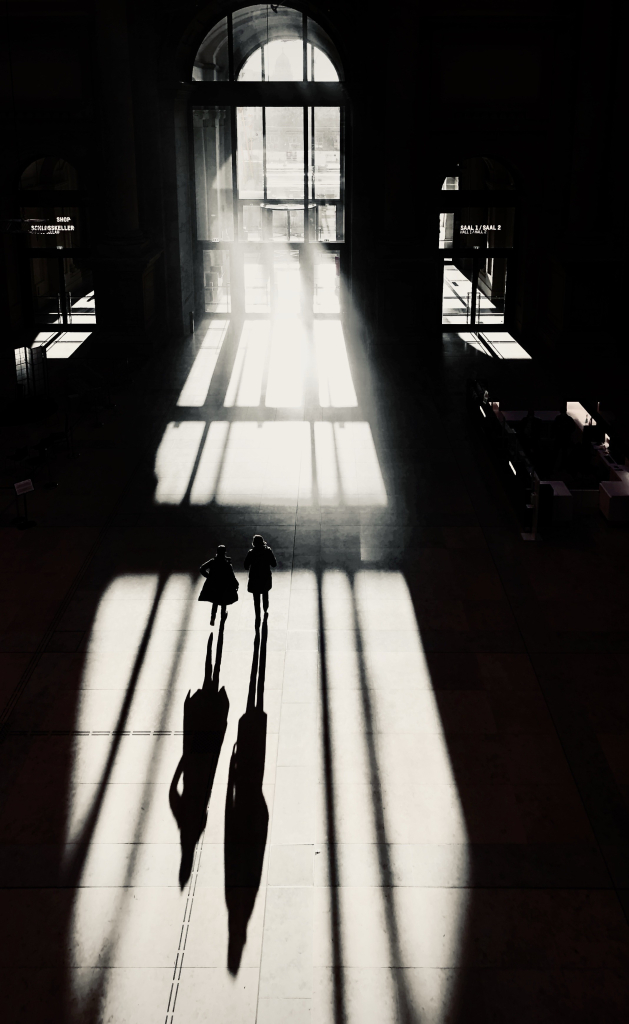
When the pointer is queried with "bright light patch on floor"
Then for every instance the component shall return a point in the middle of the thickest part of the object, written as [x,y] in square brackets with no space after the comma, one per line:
[206,476]
[473,341]
[336,387]
[263,463]
[67,344]
[195,391]
[504,346]
[175,459]
[245,385]
[285,386]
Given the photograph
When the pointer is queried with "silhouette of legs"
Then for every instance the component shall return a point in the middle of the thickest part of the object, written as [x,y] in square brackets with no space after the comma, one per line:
[223,613]
[204,724]
[246,813]
[265,603]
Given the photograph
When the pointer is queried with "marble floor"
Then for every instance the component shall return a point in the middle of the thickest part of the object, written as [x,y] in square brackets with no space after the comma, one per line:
[402,800]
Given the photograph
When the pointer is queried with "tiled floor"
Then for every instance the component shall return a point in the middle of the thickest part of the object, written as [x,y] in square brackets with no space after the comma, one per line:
[417,770]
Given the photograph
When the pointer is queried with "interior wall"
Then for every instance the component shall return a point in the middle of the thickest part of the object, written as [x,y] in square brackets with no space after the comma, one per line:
[534,85]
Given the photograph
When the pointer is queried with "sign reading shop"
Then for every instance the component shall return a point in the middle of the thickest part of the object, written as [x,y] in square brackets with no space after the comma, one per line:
[47,226]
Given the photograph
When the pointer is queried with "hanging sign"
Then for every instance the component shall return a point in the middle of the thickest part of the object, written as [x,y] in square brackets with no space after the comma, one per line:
[479,229]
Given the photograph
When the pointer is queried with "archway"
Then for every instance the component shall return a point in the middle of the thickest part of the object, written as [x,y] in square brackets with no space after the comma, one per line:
[477,225]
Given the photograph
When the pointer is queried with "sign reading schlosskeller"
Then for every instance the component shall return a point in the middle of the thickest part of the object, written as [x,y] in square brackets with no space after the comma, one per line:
[41,225]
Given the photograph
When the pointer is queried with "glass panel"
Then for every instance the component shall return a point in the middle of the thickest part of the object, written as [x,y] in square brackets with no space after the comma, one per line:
[284,61]
[272,27]
[47,291]
[250,153]
[446,230]
[256,271]
[252,68]
[213,173]
[320,67]
[327,271]
[450,184]
[457,292]
[285,152]
[52,226]
[326,148]
[251,224]
[491,291]
[211,63]
[326,223]
[286,282]
[216,281]
[79,288]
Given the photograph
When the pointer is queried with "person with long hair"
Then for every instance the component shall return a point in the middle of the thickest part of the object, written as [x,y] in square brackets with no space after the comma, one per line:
[259,561]
[221,585]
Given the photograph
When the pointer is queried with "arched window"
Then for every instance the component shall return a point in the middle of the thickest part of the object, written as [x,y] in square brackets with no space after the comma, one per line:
[476,230]
[268,140]
[267,44]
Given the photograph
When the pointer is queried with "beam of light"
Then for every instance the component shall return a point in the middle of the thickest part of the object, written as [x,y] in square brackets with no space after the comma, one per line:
[195,391]
[336,387]
[263,463]
[175,459]
[359,469]
[401,853]
[256,285]
[285,387]
[326,464]
[245,385]
[109,917]
[326,284]
[206,476]
[287,297]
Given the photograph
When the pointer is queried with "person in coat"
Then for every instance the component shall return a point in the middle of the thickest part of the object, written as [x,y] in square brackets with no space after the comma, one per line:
[221,585]
[259,561]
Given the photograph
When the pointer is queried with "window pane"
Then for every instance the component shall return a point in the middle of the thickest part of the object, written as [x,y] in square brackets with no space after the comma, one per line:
[252,68]
[326,168]
[216,281]
[285,152]
[250,153]
[251,222]
[213,174]
[284,61]
[327,269]
[256,270]
[491,292]
[457,292]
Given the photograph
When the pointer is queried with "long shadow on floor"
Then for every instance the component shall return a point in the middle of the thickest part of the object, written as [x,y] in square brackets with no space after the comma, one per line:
[246,813]
[204,724]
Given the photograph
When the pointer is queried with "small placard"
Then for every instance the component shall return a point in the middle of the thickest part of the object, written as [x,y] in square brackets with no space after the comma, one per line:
[24,486]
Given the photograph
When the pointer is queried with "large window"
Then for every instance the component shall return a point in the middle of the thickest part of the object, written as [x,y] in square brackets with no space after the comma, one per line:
[476,234]
[268,125]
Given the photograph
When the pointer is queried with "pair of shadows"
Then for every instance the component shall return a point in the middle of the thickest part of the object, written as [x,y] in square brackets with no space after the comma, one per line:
[246,814]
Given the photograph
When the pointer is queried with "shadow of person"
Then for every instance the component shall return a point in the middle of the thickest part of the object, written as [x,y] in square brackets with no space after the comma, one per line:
[246,813]
[204,724]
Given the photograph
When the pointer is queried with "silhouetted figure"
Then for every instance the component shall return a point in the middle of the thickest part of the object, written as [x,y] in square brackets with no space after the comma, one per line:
[221,585]
[204,724]
[259,561]
[246,813]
